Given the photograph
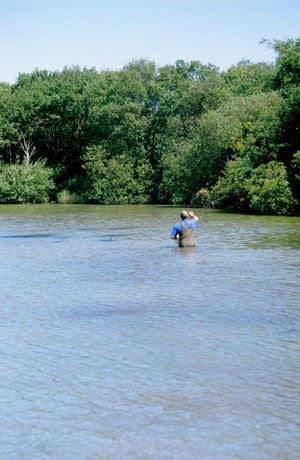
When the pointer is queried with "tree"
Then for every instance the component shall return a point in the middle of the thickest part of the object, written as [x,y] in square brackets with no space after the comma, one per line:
[241,127]
[287,80]
[117,180]
[264,189]
[27,183]
[269,190]
[287,62]
[230,192]
[149,134]
[246,78]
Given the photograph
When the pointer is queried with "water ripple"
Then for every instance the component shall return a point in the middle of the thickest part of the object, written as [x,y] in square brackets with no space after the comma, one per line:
[117,344]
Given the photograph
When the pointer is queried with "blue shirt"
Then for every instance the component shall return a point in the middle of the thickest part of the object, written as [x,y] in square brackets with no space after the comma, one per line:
[178,227]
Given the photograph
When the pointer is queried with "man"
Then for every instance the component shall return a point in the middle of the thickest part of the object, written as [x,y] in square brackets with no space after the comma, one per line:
[185,230]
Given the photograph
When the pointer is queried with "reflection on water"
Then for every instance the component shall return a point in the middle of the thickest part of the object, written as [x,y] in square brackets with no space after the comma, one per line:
[117,344]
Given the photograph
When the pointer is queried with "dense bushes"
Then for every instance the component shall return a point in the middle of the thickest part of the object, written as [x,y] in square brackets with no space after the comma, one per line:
[264,190]
[230,192]
[268,189]
[146,134]
[117,180]
[25,183]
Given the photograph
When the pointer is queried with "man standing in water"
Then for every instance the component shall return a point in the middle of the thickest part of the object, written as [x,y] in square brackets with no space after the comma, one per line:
[185,230]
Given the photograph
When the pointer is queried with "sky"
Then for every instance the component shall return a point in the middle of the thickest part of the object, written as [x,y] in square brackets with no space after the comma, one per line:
[108,34]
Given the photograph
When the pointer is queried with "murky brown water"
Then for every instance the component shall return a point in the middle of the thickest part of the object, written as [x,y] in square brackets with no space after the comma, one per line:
[116,344]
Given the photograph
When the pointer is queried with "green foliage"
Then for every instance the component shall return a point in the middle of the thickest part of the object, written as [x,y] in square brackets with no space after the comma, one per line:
[296,165]
[248,78]
[268,189]
[148,134]
[25,183]
[287,62]
[264,189]
[172,187]
[288,131]
[230,192]
[241,127]
[116,180]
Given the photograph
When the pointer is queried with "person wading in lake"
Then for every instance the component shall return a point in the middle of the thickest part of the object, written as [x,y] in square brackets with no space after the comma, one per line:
[184,231]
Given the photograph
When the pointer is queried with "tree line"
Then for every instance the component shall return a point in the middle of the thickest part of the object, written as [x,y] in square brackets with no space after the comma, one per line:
[178,134]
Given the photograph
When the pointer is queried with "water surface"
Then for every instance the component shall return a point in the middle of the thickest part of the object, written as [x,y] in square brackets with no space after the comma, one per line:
[116,344]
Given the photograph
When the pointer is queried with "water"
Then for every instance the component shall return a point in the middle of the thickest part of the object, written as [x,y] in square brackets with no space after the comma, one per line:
[115,344]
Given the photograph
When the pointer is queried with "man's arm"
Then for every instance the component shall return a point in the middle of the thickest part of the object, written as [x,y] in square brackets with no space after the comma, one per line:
[175,232]
[192,216]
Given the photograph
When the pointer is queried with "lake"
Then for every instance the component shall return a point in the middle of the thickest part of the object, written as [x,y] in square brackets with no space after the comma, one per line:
[116,344]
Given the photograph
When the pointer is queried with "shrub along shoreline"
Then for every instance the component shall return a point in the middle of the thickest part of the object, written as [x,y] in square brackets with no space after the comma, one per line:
[184,133]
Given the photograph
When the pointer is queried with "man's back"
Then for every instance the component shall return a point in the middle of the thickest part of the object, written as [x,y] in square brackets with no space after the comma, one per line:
[187,234]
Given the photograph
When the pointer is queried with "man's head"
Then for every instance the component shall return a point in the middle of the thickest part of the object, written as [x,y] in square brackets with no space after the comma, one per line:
[183,215]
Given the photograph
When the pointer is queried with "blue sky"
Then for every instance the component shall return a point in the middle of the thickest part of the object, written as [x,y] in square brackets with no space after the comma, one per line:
[107,34]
